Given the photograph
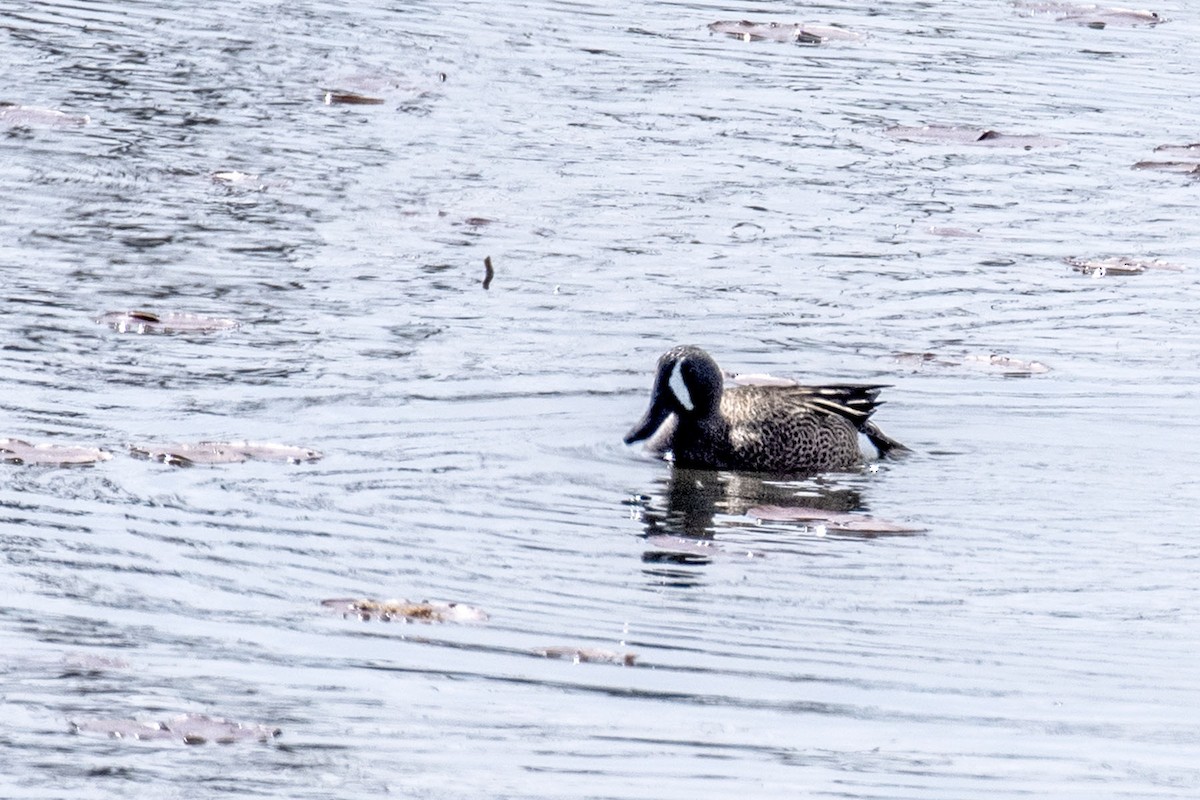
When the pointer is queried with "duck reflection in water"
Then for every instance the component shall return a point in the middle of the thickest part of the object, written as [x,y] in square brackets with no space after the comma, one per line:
[686,509]
[689,501]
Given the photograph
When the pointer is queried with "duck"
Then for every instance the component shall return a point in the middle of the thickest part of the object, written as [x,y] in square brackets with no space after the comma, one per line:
[780,427]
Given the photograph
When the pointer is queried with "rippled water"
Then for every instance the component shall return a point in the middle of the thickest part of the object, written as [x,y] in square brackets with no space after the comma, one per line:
[638,183]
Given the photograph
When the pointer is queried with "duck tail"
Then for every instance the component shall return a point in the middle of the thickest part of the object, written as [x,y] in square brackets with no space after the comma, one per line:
[885,444]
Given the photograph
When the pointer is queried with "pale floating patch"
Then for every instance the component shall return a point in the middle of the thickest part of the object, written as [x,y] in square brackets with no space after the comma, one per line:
[1118,265]
[588,655]
[1180,167]
[830,521]
[981,137]
[76,663]
[168,322]
[1089,15]
[189,454]
[1007,365]
[689,550]
[679,387]
[233,179]
[185,728]
[404,611]
[16,451]
[17,116]
[1104,17]
[799,33]
[953,233]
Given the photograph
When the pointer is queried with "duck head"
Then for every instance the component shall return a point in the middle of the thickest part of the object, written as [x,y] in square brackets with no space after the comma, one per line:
[688,384]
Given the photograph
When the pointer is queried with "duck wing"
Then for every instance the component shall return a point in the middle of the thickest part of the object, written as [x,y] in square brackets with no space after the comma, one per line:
[854,402]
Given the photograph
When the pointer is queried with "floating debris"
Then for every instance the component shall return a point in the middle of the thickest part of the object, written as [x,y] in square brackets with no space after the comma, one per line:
[421,219]
[689,550]
[1104,17]
[189,454]
[169,322]
[954,134]
[488,272]
[1007,365]
[17,451]
[1192,149]
[185,728]
[236,179]
[1090,15]
[1118,265]
[798,33]
[1183,167]
[373,89]
[18,116]
[78,663]
[351,99]
[953,233]
[588,655]
[404,611]
[835,521]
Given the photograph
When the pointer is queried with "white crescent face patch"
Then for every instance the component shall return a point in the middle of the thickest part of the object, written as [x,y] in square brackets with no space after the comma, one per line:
[679,387]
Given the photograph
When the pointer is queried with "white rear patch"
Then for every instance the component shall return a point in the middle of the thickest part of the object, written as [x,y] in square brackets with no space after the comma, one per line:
[679,387]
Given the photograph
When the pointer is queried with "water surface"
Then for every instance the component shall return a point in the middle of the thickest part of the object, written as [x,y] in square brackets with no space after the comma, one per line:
[638,183]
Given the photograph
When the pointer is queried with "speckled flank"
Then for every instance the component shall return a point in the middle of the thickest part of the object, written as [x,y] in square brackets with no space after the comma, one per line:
[758,428]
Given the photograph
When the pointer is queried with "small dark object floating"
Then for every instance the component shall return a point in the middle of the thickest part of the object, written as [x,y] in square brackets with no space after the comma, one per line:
[188,454]
[169,322]
[488,272]
[185,728]
[404,611]
[17,451]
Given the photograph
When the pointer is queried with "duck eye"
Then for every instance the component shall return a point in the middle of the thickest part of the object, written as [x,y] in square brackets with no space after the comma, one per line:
[679,386]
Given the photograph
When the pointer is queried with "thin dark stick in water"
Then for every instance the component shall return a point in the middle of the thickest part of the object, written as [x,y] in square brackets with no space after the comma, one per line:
[489,273]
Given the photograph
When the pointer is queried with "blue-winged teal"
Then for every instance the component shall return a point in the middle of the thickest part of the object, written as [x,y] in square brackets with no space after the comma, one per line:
[781,429]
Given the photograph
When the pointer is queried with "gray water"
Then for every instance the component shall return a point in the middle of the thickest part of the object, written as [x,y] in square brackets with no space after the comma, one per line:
[638,183]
